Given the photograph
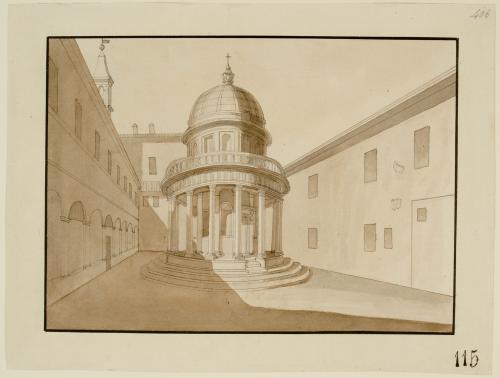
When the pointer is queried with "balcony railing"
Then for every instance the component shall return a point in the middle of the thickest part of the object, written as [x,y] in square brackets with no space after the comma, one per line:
[151,186]
[223,158]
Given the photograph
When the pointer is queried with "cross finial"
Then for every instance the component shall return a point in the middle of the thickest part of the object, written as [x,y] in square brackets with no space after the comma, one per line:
[228,76]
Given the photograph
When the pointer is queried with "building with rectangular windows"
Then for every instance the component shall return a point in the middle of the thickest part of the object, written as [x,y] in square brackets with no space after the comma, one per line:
[150,153]
[378,200]
[92,217]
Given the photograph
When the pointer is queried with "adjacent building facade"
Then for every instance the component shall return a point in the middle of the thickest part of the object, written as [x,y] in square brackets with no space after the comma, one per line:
[92,187]
[378,200]
[150,153]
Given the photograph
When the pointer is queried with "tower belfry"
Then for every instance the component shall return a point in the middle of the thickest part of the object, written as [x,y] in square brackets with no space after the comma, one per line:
[102,77]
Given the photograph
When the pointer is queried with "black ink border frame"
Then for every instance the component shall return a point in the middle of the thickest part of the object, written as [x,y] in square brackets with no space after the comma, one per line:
[452,332]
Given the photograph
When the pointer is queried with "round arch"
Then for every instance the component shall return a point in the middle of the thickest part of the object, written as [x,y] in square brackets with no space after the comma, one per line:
[93,217]
[108,222]
[95,239]
[77,211]
[76,255]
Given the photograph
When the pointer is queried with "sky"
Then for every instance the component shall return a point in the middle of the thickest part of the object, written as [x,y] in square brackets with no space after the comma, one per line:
[309,90]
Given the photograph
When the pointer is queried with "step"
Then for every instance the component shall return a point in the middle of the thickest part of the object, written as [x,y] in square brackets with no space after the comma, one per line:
[180,267]
[180,271]
[160,264]
[229,278]
[196,285]
[189,261]
[268,282]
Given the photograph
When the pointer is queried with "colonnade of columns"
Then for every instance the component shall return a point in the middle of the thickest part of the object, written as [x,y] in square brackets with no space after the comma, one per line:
[215,247]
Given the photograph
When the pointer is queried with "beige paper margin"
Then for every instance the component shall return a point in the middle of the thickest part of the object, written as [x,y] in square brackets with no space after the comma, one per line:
[28,347]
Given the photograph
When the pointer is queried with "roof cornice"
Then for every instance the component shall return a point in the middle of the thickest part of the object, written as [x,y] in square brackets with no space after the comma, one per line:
[432,93]
[152,138]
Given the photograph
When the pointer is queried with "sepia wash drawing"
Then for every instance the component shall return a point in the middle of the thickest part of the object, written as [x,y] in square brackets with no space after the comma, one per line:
[202,231]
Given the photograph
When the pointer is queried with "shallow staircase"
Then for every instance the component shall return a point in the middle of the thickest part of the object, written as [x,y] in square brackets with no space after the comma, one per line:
[222,275]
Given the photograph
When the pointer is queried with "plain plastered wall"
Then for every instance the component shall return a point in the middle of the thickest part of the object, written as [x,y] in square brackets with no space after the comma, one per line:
[345,203]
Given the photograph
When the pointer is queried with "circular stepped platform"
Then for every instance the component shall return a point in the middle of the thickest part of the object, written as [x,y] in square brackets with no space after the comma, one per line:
[222,275]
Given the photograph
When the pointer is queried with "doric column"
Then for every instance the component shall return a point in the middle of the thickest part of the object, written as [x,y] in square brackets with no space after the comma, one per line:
[261,249]
[121,241]
[279,228]
[199,223]
[274,231]
[170,224]
[217,224]
[86,248]
[189,223]
[115,241]
[211,221]
[100,253]
[176,224]
[237,221]
[63,242]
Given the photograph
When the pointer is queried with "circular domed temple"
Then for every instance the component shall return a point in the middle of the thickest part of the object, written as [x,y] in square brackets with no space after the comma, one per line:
[225,200]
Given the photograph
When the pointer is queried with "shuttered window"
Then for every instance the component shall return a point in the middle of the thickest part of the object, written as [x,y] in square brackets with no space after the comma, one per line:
[78,119]
[312,186]
[312,238]
[388,238]
[97,146]
[152,166]
[422,147]
[370,237]
[371,166]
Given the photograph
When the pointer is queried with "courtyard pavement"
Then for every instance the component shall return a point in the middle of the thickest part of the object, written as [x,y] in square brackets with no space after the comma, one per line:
[121,299]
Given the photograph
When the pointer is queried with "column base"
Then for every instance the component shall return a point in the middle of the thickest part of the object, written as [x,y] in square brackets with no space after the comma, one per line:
[271,260]
[208,256]
[239,256]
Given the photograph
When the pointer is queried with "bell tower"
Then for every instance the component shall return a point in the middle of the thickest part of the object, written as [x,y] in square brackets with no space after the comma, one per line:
[102,77]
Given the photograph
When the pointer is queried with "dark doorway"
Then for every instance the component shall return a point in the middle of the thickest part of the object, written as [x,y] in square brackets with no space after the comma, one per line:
[108,252]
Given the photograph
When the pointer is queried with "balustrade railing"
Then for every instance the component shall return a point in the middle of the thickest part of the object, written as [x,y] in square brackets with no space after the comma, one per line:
[221,158]
[151,186]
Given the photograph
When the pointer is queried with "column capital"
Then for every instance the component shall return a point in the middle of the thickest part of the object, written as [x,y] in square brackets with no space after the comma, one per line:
[238,187]
[262,193]
[189,193]
[212,187]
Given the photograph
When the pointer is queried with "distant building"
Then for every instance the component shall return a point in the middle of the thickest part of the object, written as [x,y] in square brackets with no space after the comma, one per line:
[378,200]
[92,187]
[150,153]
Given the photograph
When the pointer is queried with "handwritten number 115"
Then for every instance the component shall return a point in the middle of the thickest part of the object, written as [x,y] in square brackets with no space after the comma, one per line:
[473,359]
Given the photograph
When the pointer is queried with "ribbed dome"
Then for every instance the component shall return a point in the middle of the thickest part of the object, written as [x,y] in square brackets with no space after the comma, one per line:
[226,102]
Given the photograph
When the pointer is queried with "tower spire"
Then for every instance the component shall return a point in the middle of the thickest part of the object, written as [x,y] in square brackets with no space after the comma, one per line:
[228,75]
[102,77]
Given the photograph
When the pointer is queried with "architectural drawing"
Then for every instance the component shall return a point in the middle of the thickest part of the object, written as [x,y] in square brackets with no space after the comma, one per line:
[203,227]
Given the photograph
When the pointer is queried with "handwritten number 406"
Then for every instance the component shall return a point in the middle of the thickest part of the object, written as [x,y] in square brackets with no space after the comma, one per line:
[465,356]
[481,13]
